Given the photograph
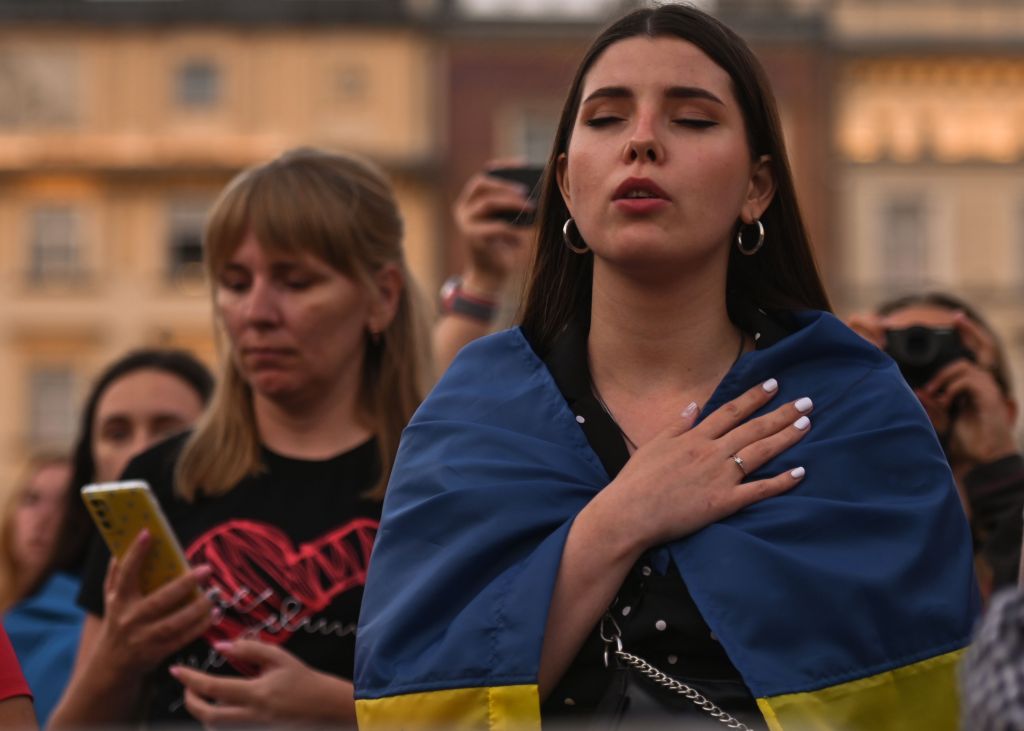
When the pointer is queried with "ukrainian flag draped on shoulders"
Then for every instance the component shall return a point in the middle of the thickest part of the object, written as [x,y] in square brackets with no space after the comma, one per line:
[844,603]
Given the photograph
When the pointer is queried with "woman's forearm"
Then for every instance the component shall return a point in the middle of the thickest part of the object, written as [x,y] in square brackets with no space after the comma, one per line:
[598,554]
[99,693]
[98,697]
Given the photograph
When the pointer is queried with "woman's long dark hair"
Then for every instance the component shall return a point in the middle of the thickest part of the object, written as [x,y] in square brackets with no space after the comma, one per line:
[69,554]
[781,276]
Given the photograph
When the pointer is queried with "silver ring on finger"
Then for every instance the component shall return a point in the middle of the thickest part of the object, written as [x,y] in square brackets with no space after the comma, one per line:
[739,463]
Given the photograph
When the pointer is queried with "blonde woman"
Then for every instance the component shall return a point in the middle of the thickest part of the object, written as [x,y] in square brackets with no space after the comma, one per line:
[30,524]
[276,495]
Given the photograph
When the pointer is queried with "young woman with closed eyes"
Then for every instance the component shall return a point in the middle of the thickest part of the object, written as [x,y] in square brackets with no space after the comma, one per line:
[680,460]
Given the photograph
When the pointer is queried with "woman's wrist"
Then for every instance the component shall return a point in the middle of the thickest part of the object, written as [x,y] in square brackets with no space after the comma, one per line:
[110,667]
[483,285]
[333,699]
[607,519]
[471,296]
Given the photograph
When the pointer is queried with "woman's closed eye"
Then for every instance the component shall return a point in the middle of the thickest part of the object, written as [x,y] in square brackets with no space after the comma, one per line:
[603,121]
[298,283]
[233,281]
[695,123]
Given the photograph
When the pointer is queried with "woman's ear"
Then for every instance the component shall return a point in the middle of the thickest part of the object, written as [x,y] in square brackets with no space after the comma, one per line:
[562,176]
[388,282]
[760,190]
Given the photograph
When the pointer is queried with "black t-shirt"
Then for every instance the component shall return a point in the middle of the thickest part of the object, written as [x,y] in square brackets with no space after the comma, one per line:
[658,618]
[289,550]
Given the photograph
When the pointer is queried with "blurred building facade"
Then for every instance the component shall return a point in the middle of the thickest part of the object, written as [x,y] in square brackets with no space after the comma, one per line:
[929,155]
[119,122]
[903,120]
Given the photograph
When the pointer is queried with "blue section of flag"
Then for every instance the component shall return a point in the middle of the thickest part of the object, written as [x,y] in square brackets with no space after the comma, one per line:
[865,566]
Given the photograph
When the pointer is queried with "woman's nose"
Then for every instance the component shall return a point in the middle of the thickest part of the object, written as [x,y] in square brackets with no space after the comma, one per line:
[643,144]
[261,304]
[643,149]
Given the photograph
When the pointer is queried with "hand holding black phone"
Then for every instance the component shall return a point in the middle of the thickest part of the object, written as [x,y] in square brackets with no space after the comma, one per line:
[529,176]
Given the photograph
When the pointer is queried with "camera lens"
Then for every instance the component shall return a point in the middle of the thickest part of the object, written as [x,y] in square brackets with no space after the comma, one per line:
[919,346]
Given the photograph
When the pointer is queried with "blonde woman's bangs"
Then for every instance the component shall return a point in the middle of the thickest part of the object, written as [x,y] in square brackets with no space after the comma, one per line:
[289,210]
[227,225]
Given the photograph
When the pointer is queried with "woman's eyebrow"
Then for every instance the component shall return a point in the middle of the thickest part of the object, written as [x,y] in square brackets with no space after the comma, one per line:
[673,92]
[692,92]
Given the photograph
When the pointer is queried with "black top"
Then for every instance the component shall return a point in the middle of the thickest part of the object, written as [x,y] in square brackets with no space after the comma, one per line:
[659,620]
[289,550]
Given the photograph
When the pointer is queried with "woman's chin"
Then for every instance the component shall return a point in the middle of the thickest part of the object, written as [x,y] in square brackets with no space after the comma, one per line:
[274,386]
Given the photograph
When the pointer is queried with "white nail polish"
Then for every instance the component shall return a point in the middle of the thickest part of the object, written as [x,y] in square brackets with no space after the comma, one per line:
[770,386]
[797,473]
[802,423]
[689,410]
[804,405]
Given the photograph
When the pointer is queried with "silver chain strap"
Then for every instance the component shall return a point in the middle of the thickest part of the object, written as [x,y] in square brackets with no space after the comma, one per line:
[657,676]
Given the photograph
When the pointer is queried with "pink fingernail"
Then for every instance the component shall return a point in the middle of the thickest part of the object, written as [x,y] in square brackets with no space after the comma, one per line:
[770,386]
[175,671]
[802,423]
[222,646]
[690,410]
[798,473]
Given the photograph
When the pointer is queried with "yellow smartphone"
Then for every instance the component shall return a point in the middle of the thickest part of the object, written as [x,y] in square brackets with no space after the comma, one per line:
[121,510]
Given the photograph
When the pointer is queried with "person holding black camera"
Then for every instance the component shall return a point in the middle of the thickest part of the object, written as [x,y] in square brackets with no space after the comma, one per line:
[956,365]
[494,218]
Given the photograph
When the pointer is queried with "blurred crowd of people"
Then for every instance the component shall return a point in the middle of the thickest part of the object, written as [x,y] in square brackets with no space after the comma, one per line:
[629,478]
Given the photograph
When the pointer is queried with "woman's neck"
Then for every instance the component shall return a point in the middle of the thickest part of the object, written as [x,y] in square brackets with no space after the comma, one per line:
[646,337]
[317,426]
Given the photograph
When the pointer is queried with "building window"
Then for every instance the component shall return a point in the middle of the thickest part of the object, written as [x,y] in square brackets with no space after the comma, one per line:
[38,88]
[52,406]
[352,83]
[55,253]
[185,239]
[904,241]
[534,134]
[198,84]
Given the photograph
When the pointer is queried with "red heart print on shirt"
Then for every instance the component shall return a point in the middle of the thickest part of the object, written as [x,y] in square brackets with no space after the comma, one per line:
[268,587]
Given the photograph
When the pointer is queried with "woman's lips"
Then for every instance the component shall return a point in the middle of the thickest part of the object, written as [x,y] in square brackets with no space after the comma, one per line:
[265,355]
[638,196]
[639,185]
[639,206]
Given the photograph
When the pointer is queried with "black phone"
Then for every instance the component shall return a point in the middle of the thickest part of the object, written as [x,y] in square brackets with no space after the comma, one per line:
[529,176]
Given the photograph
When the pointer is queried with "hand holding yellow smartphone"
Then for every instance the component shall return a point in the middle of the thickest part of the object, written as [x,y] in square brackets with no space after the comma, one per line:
[121,510]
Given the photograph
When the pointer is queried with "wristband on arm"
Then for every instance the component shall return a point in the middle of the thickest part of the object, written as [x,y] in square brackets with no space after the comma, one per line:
[457,301]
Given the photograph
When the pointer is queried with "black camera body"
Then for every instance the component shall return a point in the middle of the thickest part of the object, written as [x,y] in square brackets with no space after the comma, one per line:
[921,351]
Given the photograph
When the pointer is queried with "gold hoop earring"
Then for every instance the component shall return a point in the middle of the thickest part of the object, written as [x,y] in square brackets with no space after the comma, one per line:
[567,238]
[750,251]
